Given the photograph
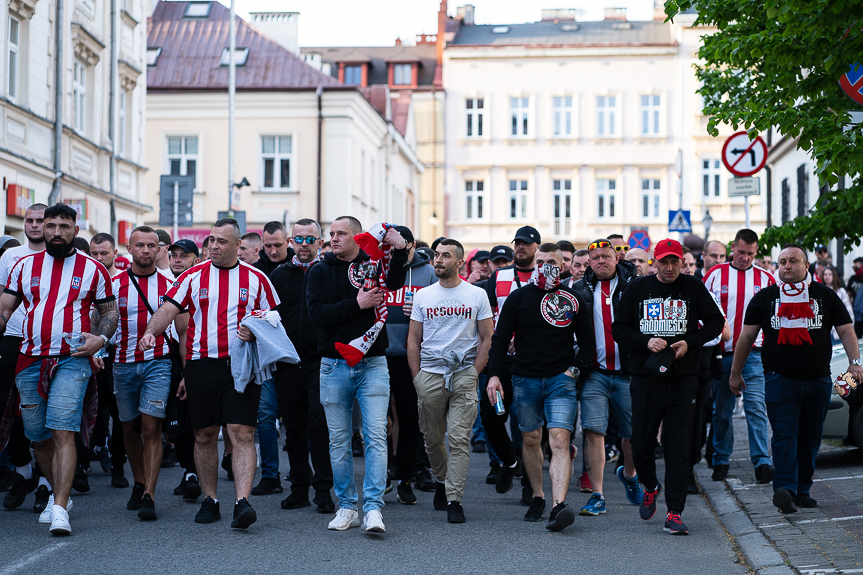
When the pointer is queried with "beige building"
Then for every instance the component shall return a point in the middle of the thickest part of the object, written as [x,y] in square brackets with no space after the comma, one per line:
[93,158]
[360,165]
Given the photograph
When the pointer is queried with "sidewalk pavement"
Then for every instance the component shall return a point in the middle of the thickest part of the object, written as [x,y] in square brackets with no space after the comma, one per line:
[827,539]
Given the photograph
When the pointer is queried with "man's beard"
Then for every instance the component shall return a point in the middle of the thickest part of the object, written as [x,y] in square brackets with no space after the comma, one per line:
[524,261]
[37,240]
[60,250]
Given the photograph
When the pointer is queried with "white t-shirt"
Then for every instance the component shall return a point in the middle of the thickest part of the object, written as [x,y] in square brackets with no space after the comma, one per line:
[449,317]
[7,261]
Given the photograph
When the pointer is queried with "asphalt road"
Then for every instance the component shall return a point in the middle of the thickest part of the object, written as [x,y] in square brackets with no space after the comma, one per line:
[106,538]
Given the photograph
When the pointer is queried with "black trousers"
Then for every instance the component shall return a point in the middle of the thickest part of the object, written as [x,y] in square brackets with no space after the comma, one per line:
[668,401]
[699,420]
[495,425]
[298,391]
[18,447]
[410,441]
[108,411]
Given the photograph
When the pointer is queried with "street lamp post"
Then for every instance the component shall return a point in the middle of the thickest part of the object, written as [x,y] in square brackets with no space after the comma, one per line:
[707,221]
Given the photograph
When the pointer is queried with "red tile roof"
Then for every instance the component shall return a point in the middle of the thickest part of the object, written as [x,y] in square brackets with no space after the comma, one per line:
[192,50]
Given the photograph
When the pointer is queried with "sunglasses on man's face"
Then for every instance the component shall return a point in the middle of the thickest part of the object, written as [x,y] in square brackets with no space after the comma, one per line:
[308,239]
[624,248]
[598,245]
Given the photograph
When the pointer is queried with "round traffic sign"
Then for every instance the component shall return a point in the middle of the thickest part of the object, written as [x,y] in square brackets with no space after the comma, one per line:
[852,82]
[639,239]
[742,156]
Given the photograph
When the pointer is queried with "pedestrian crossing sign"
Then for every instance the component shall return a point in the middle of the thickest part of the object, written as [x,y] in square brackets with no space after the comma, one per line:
[679,221]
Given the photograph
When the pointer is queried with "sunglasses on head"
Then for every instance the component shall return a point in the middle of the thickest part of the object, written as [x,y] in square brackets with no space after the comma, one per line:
[598,245]
[308,239]
[623,248]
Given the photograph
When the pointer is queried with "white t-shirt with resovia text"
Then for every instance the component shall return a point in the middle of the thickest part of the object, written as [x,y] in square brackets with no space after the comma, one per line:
[7,262]
[449,317]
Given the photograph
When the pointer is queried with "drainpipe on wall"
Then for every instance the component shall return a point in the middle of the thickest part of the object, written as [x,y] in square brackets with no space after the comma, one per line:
[320,94]
[54,196]
[112,112]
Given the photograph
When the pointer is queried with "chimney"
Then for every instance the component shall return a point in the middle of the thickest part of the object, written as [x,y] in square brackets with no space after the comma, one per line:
[465,14]
[280,27]
[615,14]
[398,41]
[425,39]
[558,14]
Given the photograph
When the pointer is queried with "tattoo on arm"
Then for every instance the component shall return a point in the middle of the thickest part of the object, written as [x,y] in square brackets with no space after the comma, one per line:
[108,318]
[4,319]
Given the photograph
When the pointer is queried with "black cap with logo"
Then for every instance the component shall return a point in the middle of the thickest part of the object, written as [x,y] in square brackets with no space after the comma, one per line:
[528,234]
[187,246]
[501,253]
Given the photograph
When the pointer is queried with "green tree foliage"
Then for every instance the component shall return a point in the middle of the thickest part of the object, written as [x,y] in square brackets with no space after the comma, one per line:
[777,63]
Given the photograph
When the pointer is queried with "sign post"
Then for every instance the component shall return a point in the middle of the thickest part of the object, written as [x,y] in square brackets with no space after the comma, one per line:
[744,157]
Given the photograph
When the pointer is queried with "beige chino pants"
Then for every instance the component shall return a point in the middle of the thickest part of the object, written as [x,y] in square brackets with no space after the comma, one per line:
[444,413]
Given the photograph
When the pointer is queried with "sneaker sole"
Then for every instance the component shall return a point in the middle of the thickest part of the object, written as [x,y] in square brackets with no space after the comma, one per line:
[246,518]
[675,532]
[147,515]
[562,520]
[61,529]
[328,509]
[300,505]
[269,491]
[350,525]
[533,519]
[588,512]
[400,500]
[374,529]
[212,519]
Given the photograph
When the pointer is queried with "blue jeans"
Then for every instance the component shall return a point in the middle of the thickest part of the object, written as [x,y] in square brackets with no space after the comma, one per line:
[268,437]
[601,395]
[550,399]
[62,410]
[797,408]
[142,387]
[369,383]
[753,404]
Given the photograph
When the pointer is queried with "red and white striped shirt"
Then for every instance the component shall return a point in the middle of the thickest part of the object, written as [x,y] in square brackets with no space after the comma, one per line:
[134,315]
[735,288]
[507,281]
[58,295]
[217,300]
[607,352]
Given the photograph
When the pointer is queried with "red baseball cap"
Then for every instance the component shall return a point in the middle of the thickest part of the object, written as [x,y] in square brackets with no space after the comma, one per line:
[667,247]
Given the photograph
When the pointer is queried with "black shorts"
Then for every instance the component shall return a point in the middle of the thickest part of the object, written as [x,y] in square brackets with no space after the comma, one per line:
[212,398]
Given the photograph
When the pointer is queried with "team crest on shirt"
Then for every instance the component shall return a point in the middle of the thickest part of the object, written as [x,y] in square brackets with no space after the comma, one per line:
[244,294]
[664,317]
[358,271]
[76,283]
[161,300]
[122,302]
[558,308]
[723,289]
[34,282]
[756,289]
[202,293]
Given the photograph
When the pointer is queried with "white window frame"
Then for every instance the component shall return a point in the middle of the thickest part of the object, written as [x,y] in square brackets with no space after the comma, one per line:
[711,177]
[520,123]
[13,61]
[241,55]
[562,207]
[121,131]
[650,115]
[405,68]
[476,206]
[606,196]
[277,156]
[475,110]
[79,97]
[650,200]
[563,116]
[517,199]
[184,155]
[608,116]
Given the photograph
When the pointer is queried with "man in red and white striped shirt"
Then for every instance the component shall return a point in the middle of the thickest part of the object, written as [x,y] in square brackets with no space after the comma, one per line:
[734,284]
[218,294]
[58,287]
[142,379]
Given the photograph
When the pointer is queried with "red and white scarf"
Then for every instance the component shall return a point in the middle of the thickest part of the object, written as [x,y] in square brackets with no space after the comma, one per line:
[546,277]
[794,312]
[305,266]
[380,253]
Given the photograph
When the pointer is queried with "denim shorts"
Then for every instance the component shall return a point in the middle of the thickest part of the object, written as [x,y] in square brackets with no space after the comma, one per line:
[62,410]
[142,387]
[602,393]
[553,399]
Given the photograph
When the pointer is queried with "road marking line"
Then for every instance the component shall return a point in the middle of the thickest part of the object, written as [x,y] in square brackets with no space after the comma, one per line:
[32,557]
[751,485]
[805,521]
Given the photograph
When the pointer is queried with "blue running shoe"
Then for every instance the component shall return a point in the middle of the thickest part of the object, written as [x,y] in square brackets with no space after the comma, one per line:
[633,489]
[595,505]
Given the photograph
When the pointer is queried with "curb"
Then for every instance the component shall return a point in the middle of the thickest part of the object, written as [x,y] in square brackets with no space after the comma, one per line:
[761,555]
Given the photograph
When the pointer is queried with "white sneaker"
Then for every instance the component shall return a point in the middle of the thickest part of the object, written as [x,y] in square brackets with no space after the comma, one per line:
[345,519]
[60,521]
[45,516]
[373,522]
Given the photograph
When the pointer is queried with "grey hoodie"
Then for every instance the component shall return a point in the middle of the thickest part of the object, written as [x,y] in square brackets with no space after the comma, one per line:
[420,274]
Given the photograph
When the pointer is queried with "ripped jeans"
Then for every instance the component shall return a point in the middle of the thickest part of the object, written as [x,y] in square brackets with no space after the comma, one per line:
[142,387]
[62,410]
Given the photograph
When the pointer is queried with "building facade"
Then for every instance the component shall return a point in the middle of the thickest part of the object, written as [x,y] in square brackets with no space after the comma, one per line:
[581,129]
[100,137]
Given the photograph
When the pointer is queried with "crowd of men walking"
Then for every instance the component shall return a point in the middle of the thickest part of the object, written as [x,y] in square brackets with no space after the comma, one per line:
[375,344]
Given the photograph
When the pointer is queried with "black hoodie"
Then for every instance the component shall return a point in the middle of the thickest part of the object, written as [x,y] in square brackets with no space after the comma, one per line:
[290,282]
[266,265]
[331,293]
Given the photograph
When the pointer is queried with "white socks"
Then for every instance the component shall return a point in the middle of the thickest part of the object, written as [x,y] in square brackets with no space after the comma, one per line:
[26,471]
[43,481]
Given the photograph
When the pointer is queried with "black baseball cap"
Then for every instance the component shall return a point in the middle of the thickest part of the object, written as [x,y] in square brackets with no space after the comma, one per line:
[406,233]
[501,253]
[481,256]
[187,245]
[528,234]
[436,242]
[164,237]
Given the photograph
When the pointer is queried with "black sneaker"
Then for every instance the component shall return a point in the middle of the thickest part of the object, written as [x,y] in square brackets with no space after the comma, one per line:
[42,496]
[296,500]
[764,474]
[147,512]
[134,503]
[389,486]
[537,508]
[228,465]
[404,493]
[692,486]
[193,488]
[805,501]
[181,488]
[105,460]
[526,495]
[504,482]
[268,486]
[675,525]
[358,446]
[783,499]
[6,479]
[720,472]
[478,447]
[440,497]
[209,511]
[424,481]
[169,457]
[648,503]
[493,473]
[118,478]
[244,515]
[454,512]
[19,490]
[324,502]
[80,483]
[561,517]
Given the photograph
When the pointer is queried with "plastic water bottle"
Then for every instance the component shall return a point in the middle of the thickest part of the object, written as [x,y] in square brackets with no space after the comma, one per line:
[498,404]
[76,340]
